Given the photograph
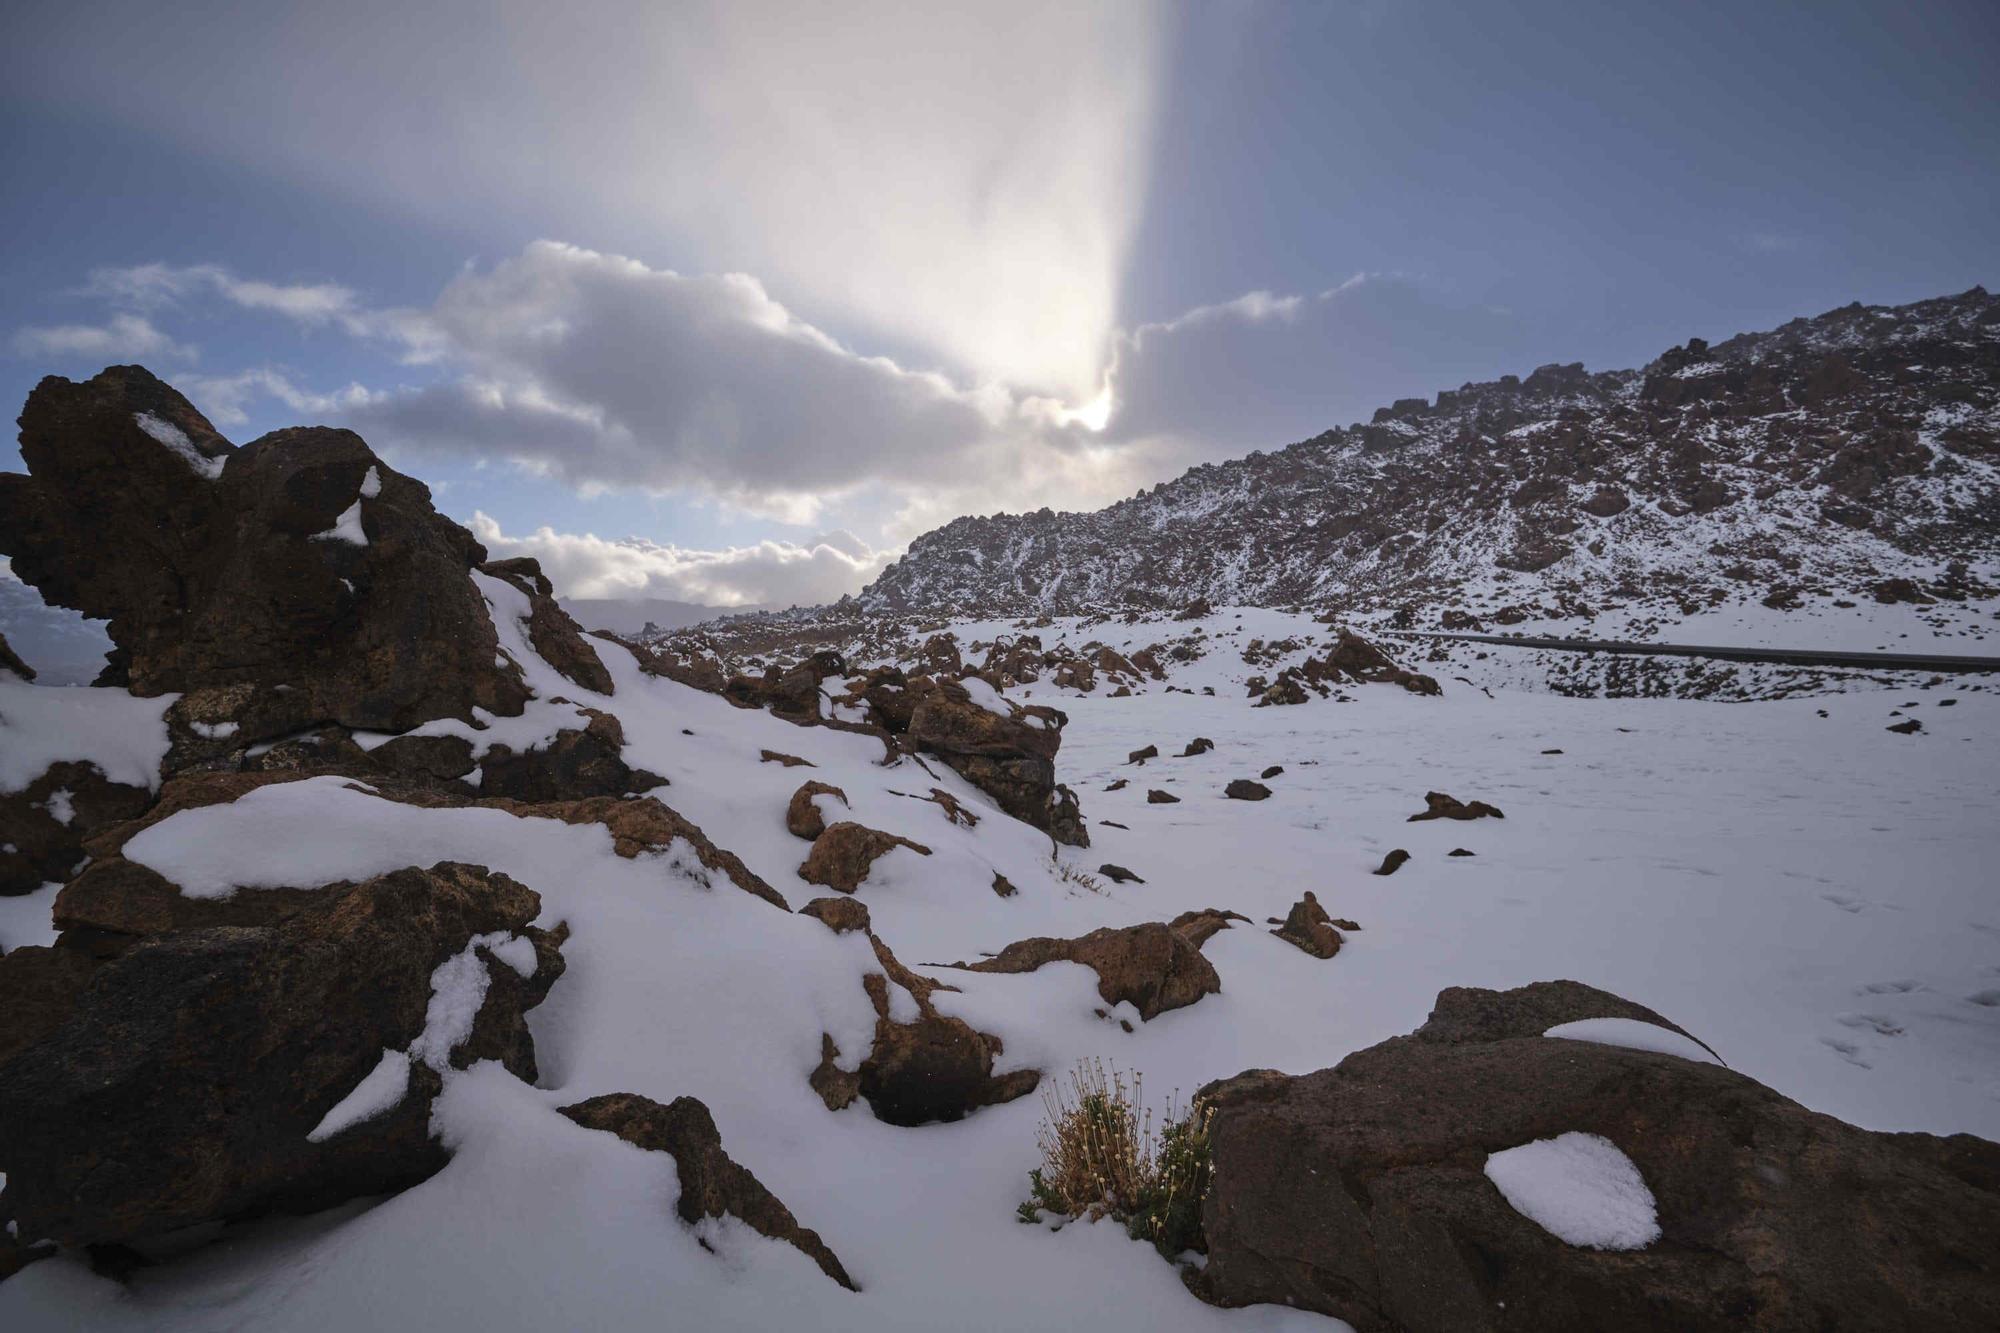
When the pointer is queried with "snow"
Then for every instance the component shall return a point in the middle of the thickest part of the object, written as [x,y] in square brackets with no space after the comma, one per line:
[60,805]
[371,484]
[377,1094]
[1581,1189]
[1810,895]
[1633,1034]
[215,731]
[25,918]
[177,442]
[986,696]
[346,528]
[125,737]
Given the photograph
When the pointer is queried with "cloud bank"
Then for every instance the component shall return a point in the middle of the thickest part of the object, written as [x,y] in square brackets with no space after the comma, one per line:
[777,572]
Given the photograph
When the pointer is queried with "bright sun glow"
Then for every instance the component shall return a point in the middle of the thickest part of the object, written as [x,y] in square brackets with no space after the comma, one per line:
[1094,415]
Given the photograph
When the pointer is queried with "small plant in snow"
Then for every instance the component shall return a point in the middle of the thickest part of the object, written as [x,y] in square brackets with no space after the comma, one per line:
[1103,1157]
[1069,874]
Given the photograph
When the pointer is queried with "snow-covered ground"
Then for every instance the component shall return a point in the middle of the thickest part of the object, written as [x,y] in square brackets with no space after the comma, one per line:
[1811,895]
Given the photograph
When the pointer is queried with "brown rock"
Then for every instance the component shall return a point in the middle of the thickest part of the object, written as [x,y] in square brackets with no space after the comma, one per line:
[1154,967]
[1118,874]
[1243,789]
[842,855]
[1440,806]
[1002,886]
[1162,798]
[840,914]
[711,1182]
[1308,927]
[802,816]
[1392,862]
[1141,756]
[788,760]
[11,661]
[556,638]
[37,846]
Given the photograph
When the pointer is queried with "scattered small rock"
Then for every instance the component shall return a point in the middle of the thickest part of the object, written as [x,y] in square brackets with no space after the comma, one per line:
[840,915]
[1243,789]
[1157,797]
[1909,728]
[1002,887]
[788,760]
[1392,862]
[1460,851]
[1118,874]
[1199,745]
[1272,771]
[1141,756]
[1112,823]
[1552,752]
[1120,785]
[1441,806]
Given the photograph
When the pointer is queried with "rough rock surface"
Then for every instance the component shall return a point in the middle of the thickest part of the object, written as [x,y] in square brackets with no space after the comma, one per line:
[1308,927]
[183,1084]
[11,661]
[36,846]
[711,1182]
[225,567]
[802,816]
[935,1067]
[1246,789]
[1360,1192]
[842,854]
[1011,759]
[1152,966]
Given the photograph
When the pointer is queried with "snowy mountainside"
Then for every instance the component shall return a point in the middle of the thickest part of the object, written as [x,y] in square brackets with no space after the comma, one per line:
[1820,458]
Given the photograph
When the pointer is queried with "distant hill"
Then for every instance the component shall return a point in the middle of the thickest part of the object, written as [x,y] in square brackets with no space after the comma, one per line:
[1830,455]
[630,615]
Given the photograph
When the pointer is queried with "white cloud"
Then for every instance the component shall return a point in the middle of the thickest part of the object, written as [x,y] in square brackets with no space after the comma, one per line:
[960,183]
[122,337]
[225,399]
[783,573]
[150,285]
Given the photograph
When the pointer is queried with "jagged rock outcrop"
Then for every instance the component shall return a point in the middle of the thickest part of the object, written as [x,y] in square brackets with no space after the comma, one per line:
[712,1183]
[299,570]
[1439,805]
[1361,1191]
[196,1077]
[1308,928]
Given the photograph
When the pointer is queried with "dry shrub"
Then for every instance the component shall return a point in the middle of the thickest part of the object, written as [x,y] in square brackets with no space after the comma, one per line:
[1103,1156]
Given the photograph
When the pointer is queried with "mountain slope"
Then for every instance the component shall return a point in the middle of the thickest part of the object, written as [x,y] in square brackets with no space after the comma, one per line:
[1826,455]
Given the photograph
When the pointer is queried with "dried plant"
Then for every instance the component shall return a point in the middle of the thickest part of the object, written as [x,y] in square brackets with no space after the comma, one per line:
[1103,1156]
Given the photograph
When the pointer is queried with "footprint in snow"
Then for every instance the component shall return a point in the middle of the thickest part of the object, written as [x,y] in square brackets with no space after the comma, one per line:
[1847,1051]
[1989,999]
[1843,902]
[1878,1023]
[1889,988]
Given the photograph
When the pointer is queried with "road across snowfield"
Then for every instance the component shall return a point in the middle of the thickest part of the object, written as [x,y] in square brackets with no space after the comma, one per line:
[1938,662]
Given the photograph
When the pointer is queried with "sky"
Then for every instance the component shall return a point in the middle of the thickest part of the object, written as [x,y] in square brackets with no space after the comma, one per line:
[726,302]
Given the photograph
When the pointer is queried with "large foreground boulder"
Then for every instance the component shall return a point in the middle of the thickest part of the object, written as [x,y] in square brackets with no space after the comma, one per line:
[712,1183]
[1363,1192]
[207,1074]
[299,566]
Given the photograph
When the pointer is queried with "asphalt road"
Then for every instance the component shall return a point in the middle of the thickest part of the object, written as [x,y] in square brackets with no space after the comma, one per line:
[1941,663]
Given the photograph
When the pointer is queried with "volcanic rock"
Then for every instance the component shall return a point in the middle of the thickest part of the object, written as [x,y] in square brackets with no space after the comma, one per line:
[1360,1191]
[841,855]
[712,1183]
[802,815]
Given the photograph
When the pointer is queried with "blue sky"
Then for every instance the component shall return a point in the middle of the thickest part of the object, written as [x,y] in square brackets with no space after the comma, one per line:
[733,300]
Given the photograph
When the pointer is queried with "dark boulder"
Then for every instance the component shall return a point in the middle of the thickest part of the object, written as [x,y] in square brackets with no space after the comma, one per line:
[193,1078]
[1361,1191]
[1244,789]
[1309,928]
[299,561]
[1011,758]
